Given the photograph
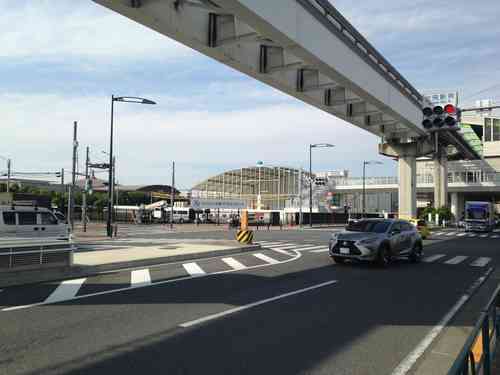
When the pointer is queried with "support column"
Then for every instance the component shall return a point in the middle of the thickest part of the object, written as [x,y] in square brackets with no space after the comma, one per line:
[441,179]
[457,205]
[407,169]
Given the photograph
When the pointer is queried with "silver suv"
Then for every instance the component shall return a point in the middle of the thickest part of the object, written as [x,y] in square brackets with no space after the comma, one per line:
[379,240]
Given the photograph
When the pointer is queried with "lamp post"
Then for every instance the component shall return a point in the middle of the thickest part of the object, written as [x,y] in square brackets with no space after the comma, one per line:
[127,99]
[311,146]
[365,163]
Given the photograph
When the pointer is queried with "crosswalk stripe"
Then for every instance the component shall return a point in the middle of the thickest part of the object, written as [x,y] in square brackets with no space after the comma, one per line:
[495,236]
[233,263]
[461,234]
[433,258]
[193,269]
[140,277]
[481,262]
[66,290]
[456,260]
[439,233]
[484,235]
[283,252]
[265,258]
[324,250]
[472,235]
[451,233]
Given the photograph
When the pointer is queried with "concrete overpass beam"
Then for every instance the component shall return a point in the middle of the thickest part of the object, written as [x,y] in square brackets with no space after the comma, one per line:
[407,169]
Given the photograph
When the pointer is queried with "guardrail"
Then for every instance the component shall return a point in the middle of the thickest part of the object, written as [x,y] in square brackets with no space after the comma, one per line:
[18,254]
[476,355]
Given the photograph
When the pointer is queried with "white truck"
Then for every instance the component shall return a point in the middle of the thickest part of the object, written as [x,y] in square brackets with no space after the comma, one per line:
[479,216]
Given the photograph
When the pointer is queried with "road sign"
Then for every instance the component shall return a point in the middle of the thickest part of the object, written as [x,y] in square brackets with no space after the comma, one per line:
[198,203]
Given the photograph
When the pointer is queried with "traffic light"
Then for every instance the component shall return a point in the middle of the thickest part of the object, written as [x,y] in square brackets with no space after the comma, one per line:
[320,181]
[441,118]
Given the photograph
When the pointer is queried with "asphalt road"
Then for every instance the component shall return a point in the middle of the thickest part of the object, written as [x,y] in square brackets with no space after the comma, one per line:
[285,309]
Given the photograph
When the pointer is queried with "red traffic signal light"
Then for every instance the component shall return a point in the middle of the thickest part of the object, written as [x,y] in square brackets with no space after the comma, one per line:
[450,109]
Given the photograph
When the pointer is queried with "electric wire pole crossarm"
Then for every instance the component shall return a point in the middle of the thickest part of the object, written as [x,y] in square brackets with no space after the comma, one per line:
[311,146]
[127,99]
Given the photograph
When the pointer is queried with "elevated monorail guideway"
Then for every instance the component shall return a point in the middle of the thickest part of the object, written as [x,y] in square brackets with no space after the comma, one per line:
[306,49]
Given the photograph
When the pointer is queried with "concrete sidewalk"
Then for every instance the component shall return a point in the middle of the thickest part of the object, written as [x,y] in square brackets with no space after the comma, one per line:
[88,263]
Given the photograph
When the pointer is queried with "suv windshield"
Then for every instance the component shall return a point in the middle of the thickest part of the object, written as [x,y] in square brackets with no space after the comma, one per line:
[373,226]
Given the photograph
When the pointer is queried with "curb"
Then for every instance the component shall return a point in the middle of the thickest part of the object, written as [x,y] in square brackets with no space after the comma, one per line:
[19,278]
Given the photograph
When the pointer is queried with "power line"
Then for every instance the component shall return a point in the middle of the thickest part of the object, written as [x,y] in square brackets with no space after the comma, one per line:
[482,91]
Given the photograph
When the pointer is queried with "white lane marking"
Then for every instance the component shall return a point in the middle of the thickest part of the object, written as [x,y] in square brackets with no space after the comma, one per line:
[140,277]
[253,304]
[416,353]
[265,258]
[283,252]
[472,235]
[461,234]
[310,248]
[451,233]
[495,236]
[324,250]
[66,290]
[233,263]
[270,243]
[484,235]
[432,258]
[285,247]
[481,262]
[112,291]
[193,269]
[456,260]
[439,233]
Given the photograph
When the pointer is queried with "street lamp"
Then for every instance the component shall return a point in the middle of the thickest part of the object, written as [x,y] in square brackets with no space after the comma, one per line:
[127,99]
[311,146]
[365,163]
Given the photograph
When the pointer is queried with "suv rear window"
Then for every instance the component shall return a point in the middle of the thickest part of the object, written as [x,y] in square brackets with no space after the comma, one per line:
[9,218]
[27,218]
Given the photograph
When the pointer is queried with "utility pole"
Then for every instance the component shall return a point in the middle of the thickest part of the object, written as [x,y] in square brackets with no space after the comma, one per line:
[63,190]
[172,196]
[8,175]
[310,187]
[364,189]
[73,178]
[300,197]
[113,187]
[84,203]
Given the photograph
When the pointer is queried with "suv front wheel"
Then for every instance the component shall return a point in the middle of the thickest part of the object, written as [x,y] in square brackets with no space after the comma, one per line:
[416,253]
[384,256]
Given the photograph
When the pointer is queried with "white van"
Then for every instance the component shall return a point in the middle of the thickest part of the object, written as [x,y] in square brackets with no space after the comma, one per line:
[31,222]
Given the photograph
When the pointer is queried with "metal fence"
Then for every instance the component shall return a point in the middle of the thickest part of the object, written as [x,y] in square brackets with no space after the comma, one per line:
[33,254]
[477,353]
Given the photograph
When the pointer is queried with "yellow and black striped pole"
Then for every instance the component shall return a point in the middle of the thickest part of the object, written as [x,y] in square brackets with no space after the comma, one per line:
[244,236]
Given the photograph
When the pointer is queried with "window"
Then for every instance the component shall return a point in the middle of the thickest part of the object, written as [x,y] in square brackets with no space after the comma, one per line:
[406,227]
[27,218]
[48,219]
[496,129]
[9,218]
[487,130]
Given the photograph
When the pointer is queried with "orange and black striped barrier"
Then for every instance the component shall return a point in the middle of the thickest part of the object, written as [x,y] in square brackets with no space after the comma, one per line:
[244,236]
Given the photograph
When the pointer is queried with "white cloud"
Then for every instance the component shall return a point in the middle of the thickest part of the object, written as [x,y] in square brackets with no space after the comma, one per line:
[58,30]
[37,132]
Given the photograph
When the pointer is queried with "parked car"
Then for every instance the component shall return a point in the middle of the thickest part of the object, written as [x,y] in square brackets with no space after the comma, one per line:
[377,240]
[31,222]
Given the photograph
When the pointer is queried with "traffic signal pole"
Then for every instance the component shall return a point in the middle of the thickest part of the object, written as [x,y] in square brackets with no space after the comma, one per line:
[84,198]
[73,178]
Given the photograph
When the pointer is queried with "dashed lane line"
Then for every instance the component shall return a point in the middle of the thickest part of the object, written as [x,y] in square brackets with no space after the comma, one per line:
[193,269]
[456,260]
[65,290]
[233,263]
[481,262]
[265,258]
[140,277]
[433,258]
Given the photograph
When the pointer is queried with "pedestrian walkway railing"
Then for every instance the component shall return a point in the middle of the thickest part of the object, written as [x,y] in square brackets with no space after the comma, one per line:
[478,352]
[19,254]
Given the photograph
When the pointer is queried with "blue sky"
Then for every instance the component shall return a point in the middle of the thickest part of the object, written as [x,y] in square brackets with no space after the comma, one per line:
[61,61]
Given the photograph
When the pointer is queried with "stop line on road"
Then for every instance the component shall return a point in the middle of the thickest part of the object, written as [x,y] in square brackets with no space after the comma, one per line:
[493,235]
[458,259]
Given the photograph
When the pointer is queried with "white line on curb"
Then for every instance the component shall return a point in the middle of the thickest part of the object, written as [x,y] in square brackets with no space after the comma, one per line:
[193,269]
[254,304]
[233,263]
